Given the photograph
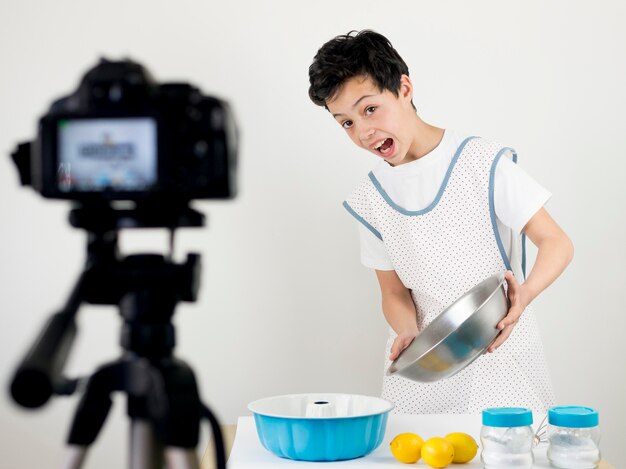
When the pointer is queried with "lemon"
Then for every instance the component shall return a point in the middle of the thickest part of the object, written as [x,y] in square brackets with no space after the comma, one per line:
[406,447]
[465,447]
[437,452]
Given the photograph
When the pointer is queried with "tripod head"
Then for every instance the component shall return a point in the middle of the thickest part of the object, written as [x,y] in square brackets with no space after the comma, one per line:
[146,287]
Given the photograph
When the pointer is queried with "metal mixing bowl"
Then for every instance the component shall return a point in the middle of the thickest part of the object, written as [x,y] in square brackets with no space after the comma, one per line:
[458,336]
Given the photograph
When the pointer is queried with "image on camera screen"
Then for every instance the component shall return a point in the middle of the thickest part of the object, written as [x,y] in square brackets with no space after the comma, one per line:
[107,154]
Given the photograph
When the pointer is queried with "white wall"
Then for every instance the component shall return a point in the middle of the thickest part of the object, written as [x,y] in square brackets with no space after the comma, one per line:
[285,305]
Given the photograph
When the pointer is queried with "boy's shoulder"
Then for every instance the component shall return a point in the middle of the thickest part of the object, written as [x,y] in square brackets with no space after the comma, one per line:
[363,188]
[477,140]
[485,149]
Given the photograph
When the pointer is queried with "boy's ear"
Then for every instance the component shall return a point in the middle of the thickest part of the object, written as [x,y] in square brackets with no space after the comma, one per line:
[406,87]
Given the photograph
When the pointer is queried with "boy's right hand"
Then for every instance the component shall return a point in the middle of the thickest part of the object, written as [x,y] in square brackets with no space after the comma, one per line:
[402,341]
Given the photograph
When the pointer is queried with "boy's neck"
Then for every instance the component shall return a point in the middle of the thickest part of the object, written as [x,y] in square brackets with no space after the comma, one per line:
[426,138]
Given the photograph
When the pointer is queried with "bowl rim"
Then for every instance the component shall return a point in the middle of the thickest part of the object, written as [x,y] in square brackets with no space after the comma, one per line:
[501,280]
[390,406]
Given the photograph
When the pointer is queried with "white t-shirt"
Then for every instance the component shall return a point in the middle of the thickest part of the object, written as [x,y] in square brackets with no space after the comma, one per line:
[413,186]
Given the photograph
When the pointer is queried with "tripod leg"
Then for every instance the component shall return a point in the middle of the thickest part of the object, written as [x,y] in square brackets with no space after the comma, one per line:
[91,413]
[76,457]
[94,406]
[182,422]
[181,458]
[146,451]
[167,410]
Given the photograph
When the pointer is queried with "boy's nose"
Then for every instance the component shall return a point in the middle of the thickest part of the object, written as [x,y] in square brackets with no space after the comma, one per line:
[366,134]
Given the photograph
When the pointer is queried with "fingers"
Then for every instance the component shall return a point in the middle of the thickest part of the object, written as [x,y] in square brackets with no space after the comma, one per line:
[500,339]
[511,280]
[512,286]
[511,318]
[515,311]
[516,307]
[399,345]
[394,352]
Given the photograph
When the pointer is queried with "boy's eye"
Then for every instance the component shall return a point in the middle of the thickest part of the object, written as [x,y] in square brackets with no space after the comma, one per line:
[346,124]
[370,109]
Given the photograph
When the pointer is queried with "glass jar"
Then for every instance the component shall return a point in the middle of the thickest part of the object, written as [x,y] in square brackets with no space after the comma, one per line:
[507,438]
[573,437]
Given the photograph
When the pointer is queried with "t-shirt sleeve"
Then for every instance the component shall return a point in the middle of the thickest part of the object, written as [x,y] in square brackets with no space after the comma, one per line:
[373,252]
[517,196]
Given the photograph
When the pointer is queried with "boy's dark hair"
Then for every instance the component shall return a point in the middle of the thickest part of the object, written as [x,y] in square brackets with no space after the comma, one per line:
[365,53]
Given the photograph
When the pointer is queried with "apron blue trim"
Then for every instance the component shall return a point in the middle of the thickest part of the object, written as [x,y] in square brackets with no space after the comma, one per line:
[434,203]
[362,220]
[492,210]
[524,255]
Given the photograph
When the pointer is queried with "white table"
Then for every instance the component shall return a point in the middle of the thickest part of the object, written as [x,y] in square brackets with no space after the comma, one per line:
[247,452]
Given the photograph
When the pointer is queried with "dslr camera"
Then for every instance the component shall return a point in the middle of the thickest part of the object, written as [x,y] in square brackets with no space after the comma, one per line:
[122,136]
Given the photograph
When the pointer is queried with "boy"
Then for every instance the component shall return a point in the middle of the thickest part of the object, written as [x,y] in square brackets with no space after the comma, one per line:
[441,212]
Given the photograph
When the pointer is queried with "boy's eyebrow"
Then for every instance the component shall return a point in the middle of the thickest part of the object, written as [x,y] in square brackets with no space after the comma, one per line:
[356,103]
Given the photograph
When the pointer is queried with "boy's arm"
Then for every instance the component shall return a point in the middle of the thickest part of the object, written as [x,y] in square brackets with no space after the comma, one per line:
[399,310]
[554,252]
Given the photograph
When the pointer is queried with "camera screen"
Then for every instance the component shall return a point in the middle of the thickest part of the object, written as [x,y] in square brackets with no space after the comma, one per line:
[112,154]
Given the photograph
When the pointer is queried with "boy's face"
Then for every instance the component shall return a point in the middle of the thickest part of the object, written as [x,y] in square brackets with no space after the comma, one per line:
[376,120]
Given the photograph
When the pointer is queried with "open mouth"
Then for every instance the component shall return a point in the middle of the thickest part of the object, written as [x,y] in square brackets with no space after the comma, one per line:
[385,147]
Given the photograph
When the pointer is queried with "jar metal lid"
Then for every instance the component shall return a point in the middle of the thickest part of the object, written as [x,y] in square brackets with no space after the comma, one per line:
[573,417]
[507,417]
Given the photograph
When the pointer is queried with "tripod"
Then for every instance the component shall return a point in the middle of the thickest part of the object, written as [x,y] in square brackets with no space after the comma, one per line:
[163,400]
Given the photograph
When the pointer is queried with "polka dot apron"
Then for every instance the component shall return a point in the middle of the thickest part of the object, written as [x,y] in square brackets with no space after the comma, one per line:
[439,253]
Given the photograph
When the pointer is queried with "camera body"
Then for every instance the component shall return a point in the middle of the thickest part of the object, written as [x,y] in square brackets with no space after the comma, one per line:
[122,136]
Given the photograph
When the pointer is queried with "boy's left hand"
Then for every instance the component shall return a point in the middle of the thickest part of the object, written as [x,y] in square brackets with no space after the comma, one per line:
[519,301]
